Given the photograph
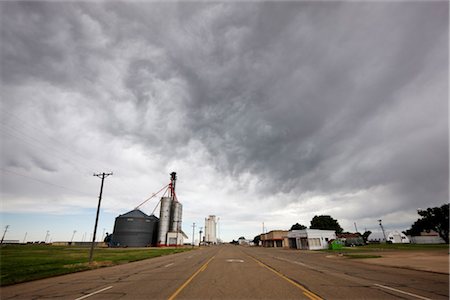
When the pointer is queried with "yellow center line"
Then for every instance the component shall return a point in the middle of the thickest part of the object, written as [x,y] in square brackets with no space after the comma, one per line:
[305,291]
[202,268]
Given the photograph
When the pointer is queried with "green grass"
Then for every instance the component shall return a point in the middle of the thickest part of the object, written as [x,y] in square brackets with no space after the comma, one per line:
[20,263]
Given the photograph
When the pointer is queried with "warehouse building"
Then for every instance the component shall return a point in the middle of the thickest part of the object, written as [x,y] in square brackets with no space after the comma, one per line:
[395,237]
[275,239]
[310,239]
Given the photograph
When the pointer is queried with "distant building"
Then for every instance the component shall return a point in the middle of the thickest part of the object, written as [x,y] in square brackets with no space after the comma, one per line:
[310,239]
[431,237]
[210,230]
[351,239]
[11,242]
[275,239]
[244,242]
[394,237]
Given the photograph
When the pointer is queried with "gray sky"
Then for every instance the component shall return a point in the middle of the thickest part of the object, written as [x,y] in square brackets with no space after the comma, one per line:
[269,112]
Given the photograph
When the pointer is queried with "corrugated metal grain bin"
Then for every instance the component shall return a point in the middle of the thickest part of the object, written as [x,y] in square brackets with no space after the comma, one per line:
[135,229]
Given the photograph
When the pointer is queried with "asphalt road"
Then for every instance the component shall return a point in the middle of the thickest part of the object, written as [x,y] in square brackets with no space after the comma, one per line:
[235,272]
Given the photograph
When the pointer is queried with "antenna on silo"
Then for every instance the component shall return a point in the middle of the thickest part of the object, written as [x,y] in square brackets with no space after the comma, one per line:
[173,179]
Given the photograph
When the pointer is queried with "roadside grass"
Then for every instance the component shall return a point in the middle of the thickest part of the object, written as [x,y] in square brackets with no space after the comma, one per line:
[20,263]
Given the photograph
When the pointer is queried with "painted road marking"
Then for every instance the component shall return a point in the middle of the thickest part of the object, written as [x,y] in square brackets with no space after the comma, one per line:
[93,293]
[294,262]
[233,260]
[402,292]
[166,266]
[306,292]
[202,268]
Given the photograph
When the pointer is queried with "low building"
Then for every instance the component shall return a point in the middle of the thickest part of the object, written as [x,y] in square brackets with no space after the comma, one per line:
[394,237]
[310,239]
[275,239]
[351,239]
[176,238]
[430,237]
[244,242]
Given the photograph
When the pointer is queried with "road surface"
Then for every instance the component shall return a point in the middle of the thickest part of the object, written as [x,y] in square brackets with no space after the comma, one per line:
[236,272]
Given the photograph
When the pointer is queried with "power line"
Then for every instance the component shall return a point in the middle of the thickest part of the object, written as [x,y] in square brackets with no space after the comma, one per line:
[62,150]
[153,195]
[38,145]
[44,182]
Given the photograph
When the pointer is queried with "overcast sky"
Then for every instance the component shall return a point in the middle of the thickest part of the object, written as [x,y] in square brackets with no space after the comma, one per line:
[269,112]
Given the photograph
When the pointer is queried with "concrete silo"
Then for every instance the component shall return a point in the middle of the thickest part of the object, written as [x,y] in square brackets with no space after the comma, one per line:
[134,229]
[177,210]
[164,220]
[170,233]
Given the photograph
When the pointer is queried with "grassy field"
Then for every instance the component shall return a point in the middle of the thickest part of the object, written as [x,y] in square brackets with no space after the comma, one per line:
[20,263]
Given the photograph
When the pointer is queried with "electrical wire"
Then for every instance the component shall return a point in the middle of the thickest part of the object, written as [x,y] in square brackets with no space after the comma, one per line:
[62,150]
[45,182]
[153,195]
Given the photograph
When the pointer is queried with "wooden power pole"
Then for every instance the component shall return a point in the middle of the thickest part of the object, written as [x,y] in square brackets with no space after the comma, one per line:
[102,176]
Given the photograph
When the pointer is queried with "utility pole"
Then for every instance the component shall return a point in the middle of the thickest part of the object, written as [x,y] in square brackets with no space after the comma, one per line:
[218,229]
[193,233]
[200,237]
[4,233]
[102,176]
[382,229]
[73,234]
[25,238]
[356,228]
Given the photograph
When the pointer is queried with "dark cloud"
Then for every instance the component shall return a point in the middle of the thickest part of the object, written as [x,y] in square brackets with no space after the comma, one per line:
[346,101]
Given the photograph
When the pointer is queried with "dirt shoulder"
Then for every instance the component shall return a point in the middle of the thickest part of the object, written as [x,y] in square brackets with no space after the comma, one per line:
[431,261]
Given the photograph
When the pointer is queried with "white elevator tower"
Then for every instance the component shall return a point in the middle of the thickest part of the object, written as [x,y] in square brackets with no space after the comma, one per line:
[210,236]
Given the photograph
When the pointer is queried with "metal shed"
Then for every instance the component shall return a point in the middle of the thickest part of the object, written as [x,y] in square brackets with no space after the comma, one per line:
[135,229]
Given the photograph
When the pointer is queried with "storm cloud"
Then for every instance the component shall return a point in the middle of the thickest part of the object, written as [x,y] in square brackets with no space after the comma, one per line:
[293,108]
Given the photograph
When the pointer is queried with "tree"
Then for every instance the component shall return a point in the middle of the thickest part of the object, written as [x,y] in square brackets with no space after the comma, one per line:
[365,235]
[435,218]
[298,226]
[325,223]
[256,240]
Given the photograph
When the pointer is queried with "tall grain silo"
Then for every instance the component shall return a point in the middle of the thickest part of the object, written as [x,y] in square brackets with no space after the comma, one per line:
[175,220]
[179,208]
[134,229]
[164,220]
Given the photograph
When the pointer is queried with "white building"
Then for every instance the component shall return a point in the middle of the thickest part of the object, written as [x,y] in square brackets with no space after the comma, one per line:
[310,239]
[394,237]
[210,230]
[431,237]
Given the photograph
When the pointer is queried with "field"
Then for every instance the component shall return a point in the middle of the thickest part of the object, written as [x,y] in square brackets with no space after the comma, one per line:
[20,263]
